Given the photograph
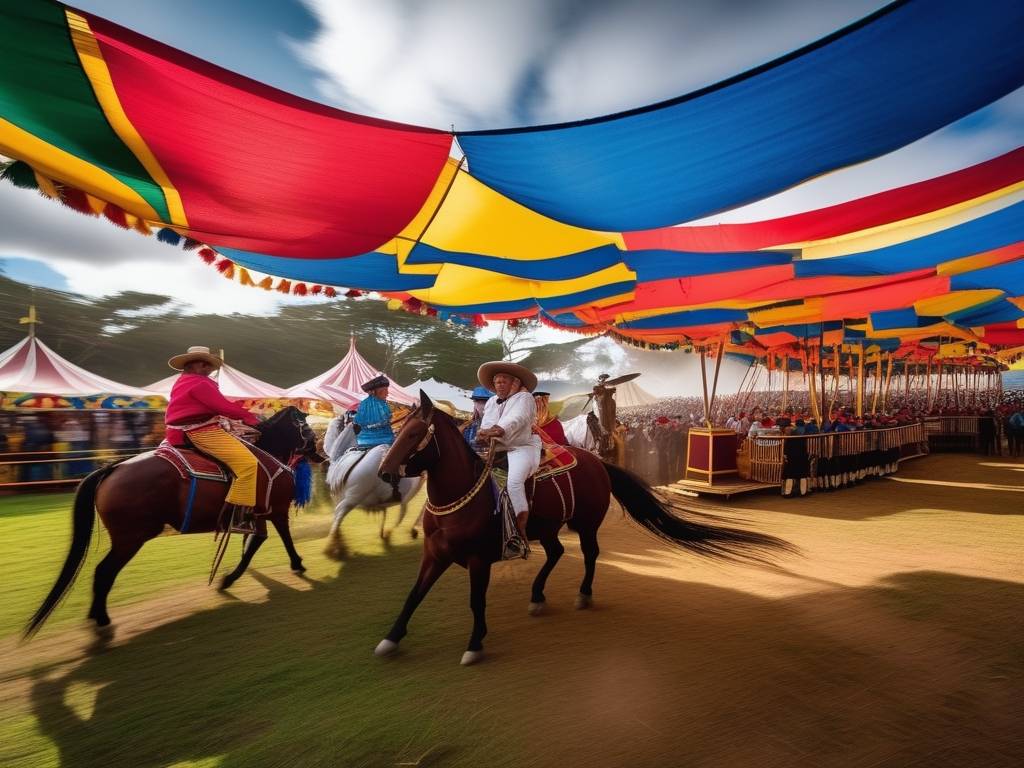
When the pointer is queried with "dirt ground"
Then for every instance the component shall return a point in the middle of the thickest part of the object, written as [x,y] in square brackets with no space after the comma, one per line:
[894,638]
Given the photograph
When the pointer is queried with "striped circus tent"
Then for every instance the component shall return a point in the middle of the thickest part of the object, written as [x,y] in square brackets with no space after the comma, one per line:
[233,384]
[580,224]
[343,382]
[31,366]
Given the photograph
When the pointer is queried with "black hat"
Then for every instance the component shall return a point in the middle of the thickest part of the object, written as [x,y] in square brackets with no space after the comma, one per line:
[376,383]
[540,392]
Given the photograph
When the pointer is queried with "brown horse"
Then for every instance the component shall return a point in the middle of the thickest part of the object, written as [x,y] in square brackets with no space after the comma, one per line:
[135,499]
[466,530]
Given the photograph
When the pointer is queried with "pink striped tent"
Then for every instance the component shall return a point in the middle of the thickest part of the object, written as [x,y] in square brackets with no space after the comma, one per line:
[31,366]
[233,383]
[346,379]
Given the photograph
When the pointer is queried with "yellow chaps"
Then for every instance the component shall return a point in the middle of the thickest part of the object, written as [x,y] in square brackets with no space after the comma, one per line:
[221,445]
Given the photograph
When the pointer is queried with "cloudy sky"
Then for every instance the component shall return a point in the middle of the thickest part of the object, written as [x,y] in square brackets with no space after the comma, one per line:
[471,64]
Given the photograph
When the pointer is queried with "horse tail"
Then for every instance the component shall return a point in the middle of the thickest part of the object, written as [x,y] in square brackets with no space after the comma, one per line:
[719,541]
[84,515]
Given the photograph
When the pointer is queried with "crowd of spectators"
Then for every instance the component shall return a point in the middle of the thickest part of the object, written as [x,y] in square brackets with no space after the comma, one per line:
[654,436]
[37,447]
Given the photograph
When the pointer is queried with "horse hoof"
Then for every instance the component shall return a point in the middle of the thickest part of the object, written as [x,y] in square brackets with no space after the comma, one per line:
[103,631]
[385,648]
[584,601]
[225,584]
[300,568]
[415,533]
[471,657]
[535,609]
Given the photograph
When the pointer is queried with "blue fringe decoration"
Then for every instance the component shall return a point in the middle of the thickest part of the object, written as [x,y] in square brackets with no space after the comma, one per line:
[303,484]
[169,236]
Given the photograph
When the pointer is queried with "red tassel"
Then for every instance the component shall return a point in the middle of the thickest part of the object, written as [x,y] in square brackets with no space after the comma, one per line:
[431,312]
[352,293]
[329,292]
[77,200]
[413,305]
[208,255]
[299,289]
[478,321]
[316,289]
[284,286]
[227,268]
[116,215]
[190,244]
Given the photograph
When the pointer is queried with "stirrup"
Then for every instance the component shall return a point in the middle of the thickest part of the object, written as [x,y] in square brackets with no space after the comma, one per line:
[241,519]
[516,549]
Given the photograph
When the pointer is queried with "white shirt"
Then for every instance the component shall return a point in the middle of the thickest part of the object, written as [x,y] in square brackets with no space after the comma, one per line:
[516,416]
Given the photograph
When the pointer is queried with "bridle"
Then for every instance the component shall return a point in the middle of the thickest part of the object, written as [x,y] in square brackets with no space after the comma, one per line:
[462,501]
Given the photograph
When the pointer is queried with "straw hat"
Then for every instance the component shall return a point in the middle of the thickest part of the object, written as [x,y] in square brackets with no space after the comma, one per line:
[178,362]
[486,373]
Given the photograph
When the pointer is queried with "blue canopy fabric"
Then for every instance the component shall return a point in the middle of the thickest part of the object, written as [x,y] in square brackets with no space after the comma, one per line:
[875,86]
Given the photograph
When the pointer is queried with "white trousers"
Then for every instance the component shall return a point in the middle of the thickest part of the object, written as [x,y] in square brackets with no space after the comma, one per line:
[522,462]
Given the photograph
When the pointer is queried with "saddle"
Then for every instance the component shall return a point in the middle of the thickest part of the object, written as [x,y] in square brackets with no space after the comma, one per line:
[191,464]
[555,459]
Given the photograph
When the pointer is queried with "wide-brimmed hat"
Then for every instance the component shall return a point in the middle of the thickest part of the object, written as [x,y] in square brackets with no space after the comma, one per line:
[481,393]
[485,374]
[541,393]
[178,362]
[376,383]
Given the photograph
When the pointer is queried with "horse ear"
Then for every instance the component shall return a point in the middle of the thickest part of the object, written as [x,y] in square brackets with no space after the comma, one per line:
[426,404]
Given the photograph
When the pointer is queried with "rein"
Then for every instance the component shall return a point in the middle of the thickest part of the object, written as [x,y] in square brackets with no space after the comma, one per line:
[458,504]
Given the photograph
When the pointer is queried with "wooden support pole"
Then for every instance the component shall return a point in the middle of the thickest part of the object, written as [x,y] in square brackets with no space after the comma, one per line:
[860,382]
[714,383]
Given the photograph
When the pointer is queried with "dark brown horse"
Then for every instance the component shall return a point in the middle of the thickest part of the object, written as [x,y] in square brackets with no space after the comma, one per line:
[467,531]
[135,499]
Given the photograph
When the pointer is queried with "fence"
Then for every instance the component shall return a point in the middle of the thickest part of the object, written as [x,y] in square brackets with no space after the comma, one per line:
[39,469]
[960,433]
[767,453]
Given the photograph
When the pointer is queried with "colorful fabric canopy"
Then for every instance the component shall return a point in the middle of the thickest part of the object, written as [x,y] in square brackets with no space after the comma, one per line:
[567,222]
[866,90]
[171,139]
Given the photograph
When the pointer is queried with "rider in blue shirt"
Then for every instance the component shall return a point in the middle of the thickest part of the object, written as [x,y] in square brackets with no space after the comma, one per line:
[479,397]
[373,417]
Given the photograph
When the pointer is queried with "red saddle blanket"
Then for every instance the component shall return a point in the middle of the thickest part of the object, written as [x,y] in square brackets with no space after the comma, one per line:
[554,460]
[191,464]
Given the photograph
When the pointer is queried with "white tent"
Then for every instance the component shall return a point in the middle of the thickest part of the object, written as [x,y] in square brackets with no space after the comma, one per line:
[631,394]
[441,390]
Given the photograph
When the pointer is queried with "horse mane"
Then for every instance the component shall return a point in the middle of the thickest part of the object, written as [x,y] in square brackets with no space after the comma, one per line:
[272,435]
[450,422]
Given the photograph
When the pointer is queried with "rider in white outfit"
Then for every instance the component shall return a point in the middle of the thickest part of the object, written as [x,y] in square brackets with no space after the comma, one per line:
[508,419]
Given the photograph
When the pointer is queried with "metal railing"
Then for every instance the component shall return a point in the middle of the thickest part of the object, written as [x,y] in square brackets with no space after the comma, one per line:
[767,452]
[57,467]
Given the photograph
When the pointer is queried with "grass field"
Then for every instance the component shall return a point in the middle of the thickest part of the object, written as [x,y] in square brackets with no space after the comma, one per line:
[894,639]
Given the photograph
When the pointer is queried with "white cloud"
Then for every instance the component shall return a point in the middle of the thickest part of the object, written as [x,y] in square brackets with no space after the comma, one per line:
[99,259]
[490,63]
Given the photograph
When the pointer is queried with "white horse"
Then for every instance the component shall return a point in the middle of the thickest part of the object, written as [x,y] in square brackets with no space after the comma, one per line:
[352,478]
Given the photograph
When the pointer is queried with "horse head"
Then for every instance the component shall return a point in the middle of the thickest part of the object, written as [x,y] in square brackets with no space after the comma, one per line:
[407,456]
[286,435]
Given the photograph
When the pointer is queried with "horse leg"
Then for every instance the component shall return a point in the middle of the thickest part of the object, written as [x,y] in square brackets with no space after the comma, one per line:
[383,520]
[418,525]
[588,543]
[430,571]
[335,549]
[121,551]
[284,531]
[553,549]
[251,547]
[479,579]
